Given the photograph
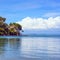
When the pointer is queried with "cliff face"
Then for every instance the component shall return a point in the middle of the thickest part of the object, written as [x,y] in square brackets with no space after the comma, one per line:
[13,29]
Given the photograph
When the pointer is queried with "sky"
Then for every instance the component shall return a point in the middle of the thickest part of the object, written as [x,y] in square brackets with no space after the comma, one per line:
[34,14]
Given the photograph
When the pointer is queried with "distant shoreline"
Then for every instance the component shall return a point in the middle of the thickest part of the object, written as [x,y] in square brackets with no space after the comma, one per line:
[51,36]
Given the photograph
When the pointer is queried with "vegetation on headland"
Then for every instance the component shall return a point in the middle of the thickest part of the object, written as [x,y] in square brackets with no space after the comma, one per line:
[13,29]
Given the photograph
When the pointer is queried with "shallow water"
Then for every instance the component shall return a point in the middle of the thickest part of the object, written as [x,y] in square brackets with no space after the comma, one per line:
[29,48]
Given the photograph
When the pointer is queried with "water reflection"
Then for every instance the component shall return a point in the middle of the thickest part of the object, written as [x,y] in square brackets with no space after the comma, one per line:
[14,43]
[30,47]
[3,42]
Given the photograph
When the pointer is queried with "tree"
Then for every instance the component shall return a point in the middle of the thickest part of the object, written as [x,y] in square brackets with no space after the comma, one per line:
[11,29]
[2,19]
[16,25]
[14,28]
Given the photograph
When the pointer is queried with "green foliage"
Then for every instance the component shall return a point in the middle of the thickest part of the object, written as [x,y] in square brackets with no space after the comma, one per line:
[11,29]
[1,29]
[2,19]
[16,25]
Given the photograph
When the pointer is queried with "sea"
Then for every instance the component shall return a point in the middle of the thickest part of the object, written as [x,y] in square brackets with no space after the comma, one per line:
[30,47]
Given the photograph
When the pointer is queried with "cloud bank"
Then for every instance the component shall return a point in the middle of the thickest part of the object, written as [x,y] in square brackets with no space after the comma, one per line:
[40,23]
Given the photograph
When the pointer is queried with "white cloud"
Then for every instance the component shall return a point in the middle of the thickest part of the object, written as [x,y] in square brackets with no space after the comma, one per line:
[40,23]
[51,14]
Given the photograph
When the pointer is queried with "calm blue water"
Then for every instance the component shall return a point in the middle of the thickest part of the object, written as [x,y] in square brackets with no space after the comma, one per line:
[29,48]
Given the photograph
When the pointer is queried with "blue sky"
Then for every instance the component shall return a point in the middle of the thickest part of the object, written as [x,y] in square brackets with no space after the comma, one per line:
[34,14]
[16,10]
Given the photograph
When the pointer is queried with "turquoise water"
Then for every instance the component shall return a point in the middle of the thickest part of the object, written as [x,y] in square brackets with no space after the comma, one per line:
[29,48]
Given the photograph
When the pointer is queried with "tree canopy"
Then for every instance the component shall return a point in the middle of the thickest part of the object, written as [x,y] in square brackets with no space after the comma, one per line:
[11,29]
[16,25]
[2,19]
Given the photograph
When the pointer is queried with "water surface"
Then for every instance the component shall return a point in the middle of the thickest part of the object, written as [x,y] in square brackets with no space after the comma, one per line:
[29,48]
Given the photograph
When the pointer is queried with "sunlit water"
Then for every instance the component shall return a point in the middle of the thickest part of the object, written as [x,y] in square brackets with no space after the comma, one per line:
[30,48]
